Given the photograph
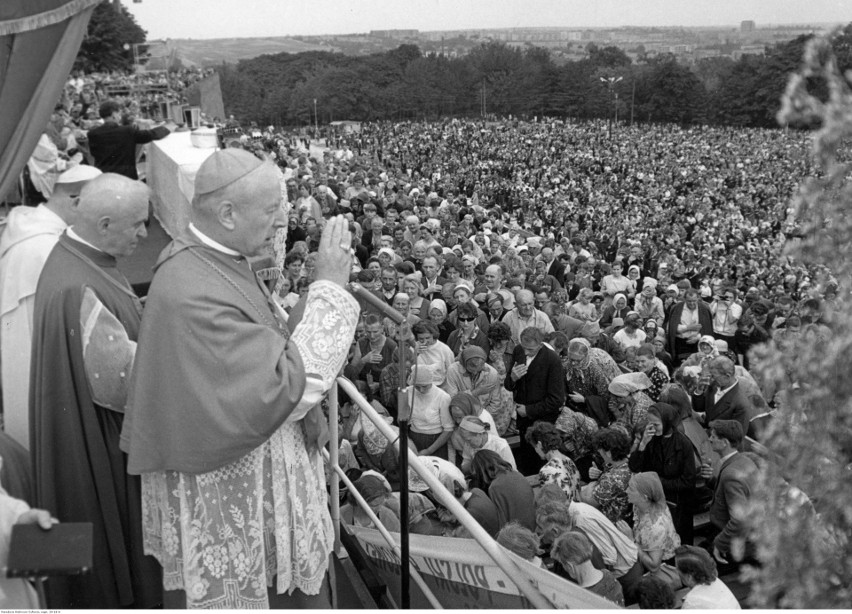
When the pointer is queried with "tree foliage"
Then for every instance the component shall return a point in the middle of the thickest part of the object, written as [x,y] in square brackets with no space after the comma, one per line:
[110,28]
[805,545]
[404,84]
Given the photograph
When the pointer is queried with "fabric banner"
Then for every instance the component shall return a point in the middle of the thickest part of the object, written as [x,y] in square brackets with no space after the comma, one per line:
[39,40]
[461,575]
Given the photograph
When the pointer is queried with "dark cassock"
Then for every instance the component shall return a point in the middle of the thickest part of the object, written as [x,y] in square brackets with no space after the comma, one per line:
[86,322]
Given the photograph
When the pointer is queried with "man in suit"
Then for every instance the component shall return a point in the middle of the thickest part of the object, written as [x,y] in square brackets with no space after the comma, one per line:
[431,281]
[555,267]
[537,381]
[724,398]
[114,146]
[689,320]
[733,482]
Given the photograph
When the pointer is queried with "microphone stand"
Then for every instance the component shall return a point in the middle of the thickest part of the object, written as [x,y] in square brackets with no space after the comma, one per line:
[403,416]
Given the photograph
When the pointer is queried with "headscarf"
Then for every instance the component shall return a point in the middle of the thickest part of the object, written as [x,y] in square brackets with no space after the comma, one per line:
[711,340]
[632,268]
[648,483]
[628,383]
[473,351]
[440,305]
[467,403]
[586,344]
[615,302]
[667,414]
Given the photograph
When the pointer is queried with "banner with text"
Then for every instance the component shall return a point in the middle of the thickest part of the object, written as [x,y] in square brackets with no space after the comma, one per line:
[462,575]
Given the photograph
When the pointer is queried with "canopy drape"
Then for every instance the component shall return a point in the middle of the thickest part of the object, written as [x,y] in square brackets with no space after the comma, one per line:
[39,40]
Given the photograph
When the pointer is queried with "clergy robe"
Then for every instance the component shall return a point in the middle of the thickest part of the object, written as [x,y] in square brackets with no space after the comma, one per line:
[30,234]
[234,493]
[79,471]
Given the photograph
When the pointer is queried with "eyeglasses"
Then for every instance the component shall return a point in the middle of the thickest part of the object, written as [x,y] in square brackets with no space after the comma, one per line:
[461,319]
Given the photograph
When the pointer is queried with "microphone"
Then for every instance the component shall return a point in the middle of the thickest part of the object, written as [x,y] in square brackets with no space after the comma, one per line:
[359,292]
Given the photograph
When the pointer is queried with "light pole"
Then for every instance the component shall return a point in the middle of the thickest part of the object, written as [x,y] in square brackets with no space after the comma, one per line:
[316,119]
[610,82]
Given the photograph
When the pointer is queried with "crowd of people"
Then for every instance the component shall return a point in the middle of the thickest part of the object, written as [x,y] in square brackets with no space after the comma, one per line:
[578,320]
[600,299]
[137,96]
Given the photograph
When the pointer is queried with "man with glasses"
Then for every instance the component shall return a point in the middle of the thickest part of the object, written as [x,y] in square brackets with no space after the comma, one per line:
[537,381]
[525,315]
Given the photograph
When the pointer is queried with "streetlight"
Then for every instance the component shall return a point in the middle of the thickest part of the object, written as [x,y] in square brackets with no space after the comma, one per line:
[316,119]
[610,82]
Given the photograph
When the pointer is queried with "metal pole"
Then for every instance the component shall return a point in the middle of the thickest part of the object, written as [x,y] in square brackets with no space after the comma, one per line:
[632,101]
[316,119]
[615,108]
[333,453]
[494,550]
[403,414]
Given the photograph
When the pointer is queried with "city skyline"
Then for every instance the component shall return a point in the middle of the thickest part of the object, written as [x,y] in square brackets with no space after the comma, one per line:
[201,19]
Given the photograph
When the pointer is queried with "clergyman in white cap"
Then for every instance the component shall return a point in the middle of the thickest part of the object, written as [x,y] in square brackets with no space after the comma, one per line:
[29,236]
[225,398]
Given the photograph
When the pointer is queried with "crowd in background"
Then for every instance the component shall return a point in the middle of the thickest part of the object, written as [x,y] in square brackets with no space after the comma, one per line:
[645,267]
[626,278]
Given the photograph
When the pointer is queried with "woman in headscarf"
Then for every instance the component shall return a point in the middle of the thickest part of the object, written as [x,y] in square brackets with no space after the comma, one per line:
[618,309]
[462,405]
[666,451]
[633,275]
[707,351]
[473,435]
[630,401]
[588,372]
[546,440]
[653,529]
[376,491]
[607,490]
[438,315]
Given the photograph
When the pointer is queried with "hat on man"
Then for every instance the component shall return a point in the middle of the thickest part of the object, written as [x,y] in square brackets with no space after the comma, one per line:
[223,168]
[78,174]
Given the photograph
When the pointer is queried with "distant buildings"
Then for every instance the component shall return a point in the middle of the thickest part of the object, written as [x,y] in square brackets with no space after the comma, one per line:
[747,26]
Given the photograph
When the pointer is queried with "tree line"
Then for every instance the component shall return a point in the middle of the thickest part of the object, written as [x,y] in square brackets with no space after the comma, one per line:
[404,84]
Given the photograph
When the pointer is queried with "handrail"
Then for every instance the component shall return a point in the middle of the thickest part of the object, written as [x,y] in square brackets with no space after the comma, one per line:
[491,547]
[384,532]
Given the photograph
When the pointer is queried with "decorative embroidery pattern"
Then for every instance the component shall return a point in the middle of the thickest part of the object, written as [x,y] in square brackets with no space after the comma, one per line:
[324,335]
[221,538]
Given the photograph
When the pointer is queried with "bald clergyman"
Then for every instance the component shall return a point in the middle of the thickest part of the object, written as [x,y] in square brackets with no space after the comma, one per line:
[223,421]
[86,321]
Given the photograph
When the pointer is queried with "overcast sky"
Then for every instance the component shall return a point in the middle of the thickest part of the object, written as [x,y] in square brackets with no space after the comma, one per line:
[246,18]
